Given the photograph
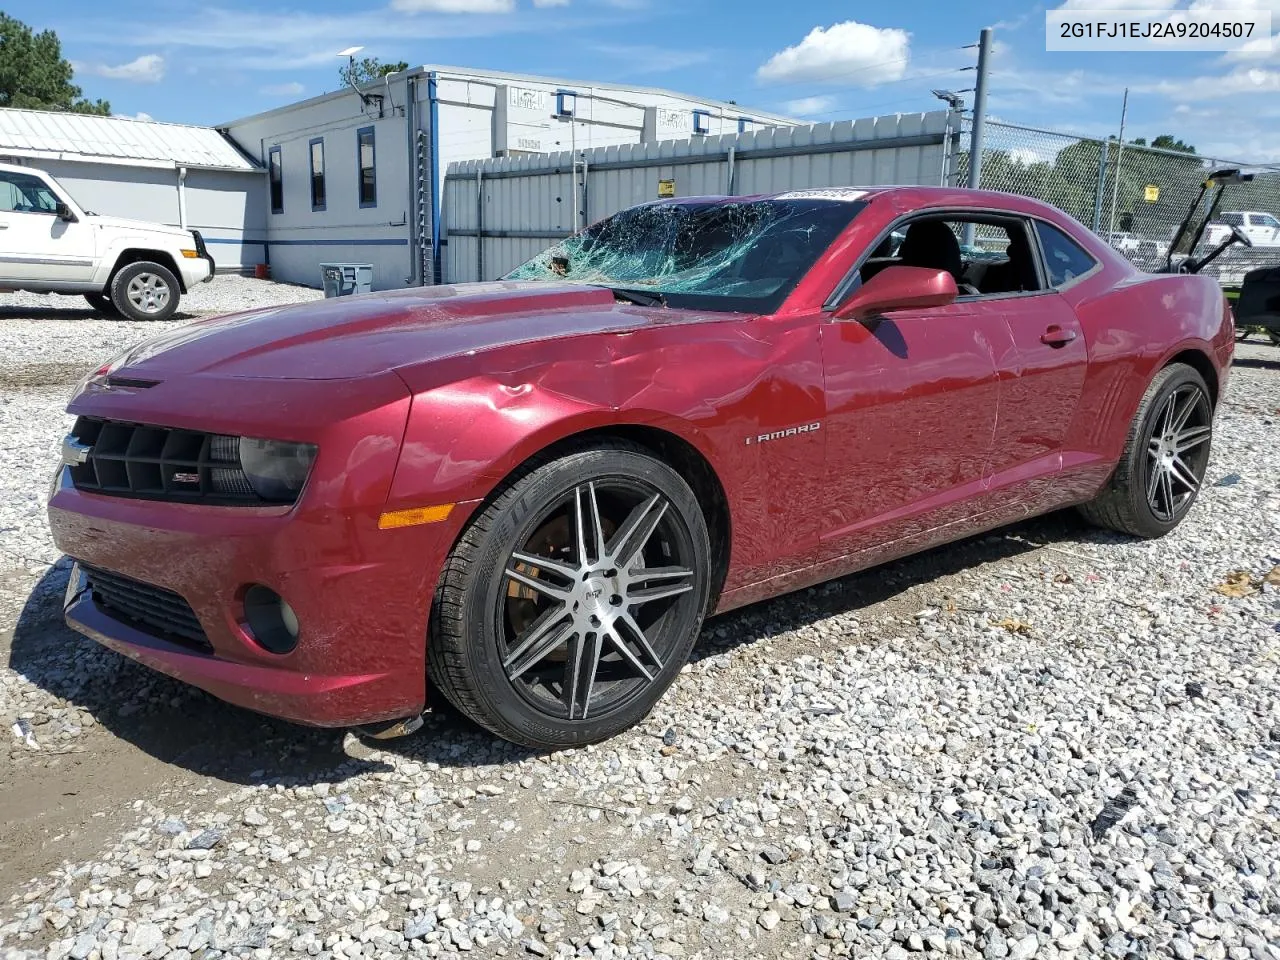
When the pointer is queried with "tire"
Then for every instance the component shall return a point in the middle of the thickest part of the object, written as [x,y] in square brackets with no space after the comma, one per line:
[1165,455]
[145,291]
[538,636]
[102,303]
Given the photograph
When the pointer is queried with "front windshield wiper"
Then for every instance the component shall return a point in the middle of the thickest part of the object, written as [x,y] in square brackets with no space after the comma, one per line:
[641,297]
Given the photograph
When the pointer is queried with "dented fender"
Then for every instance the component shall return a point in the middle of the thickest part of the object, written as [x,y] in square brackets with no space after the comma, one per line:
[718,386]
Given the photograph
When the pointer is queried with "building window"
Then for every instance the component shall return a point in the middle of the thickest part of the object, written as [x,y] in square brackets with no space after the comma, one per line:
[368,173]
[701,121]
[317,173]
[276,173]
[745,124]
[566,103]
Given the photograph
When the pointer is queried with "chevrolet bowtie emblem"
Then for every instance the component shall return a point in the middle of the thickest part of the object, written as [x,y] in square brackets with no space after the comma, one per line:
[74,452]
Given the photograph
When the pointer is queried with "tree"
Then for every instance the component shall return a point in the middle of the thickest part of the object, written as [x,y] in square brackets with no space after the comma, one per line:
[1166,141]
[33,74]
[368,68]
[1069,181]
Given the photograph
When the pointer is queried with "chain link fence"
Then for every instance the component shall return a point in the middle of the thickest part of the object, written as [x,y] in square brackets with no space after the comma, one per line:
[1132,195]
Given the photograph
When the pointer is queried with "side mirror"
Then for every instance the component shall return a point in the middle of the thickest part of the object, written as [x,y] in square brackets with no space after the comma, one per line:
[899,288]
[63,212]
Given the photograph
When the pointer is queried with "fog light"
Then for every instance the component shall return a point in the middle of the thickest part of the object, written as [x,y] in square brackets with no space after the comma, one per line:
[272,622]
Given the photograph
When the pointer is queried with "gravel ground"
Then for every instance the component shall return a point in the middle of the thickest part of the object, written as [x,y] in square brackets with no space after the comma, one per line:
[1046,742]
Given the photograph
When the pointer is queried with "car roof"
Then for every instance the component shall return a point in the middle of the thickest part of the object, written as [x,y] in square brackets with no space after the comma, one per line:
[908,196]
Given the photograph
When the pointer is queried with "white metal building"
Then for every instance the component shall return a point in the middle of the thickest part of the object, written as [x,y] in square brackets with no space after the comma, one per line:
[359,176]
[162,172]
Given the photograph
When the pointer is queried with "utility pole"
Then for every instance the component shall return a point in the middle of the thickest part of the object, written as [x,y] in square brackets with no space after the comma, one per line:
[977,134]
[1115,184]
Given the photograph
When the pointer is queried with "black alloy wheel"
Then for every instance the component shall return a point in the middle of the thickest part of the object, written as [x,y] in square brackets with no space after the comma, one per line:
[571,603]
[1165,457]
[1178,451]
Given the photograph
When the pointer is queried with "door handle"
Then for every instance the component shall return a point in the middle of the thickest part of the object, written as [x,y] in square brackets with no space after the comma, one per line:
[1057,337]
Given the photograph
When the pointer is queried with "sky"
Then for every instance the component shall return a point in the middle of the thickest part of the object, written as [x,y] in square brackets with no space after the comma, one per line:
[220,60]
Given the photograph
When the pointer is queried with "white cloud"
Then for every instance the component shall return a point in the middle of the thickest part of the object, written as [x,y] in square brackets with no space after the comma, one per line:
[453,6]
[1018,22]
[135,116]
[807,106]
[1237,83]
[290,89]
[851,53]
[148,68]
[1257,49]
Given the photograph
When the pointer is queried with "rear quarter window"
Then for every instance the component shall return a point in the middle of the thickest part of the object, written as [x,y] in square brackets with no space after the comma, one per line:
[1064,259]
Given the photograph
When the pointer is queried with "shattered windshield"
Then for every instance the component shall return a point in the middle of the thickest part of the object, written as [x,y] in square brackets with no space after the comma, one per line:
[743,256]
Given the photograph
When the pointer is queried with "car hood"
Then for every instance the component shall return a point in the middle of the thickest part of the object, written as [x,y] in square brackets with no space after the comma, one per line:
[141,226]
[349,337]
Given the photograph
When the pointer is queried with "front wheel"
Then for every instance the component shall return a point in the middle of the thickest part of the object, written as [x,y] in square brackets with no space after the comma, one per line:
[1164,460]
[145,291]
[571,602]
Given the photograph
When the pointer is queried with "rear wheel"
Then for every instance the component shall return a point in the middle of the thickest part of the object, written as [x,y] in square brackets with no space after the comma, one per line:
[571,602]
[102,303]
[1164,459]
[145,291]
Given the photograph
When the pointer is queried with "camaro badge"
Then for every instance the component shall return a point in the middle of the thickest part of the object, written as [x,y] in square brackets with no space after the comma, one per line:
[788,432]
[74,452]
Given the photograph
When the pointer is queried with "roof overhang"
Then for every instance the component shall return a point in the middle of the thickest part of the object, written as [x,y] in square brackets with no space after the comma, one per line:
[119,161]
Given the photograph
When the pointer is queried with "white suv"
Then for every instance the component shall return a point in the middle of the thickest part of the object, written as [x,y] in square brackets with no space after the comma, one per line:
[49,245]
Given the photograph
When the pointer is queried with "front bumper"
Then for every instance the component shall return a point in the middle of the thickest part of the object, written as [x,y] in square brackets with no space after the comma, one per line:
[203,249]
[363,613]
[361,595]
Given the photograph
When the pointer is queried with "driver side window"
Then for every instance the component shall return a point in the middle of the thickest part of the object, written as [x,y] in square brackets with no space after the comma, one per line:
[988,256]
[23,193]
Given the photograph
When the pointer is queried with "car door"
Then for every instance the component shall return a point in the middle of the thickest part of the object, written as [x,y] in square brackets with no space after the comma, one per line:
[1042,375]
[35,243]
[912,402]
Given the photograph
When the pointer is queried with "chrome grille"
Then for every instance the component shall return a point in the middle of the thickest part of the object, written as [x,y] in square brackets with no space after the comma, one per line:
[160,613]
[158,463]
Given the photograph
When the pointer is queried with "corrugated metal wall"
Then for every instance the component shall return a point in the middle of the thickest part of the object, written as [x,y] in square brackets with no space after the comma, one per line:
[499,213]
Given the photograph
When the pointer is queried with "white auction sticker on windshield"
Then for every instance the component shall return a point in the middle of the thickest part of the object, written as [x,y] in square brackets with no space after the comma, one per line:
[825,193]
[1075,29]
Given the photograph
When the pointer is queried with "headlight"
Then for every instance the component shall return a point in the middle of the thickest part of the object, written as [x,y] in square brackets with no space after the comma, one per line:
[276,469]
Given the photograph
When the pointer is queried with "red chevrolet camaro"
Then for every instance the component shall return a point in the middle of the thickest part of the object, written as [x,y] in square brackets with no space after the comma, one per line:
[532,491]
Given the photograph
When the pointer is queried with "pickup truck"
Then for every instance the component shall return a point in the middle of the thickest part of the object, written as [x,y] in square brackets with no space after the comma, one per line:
[1262,229]
[48,244]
